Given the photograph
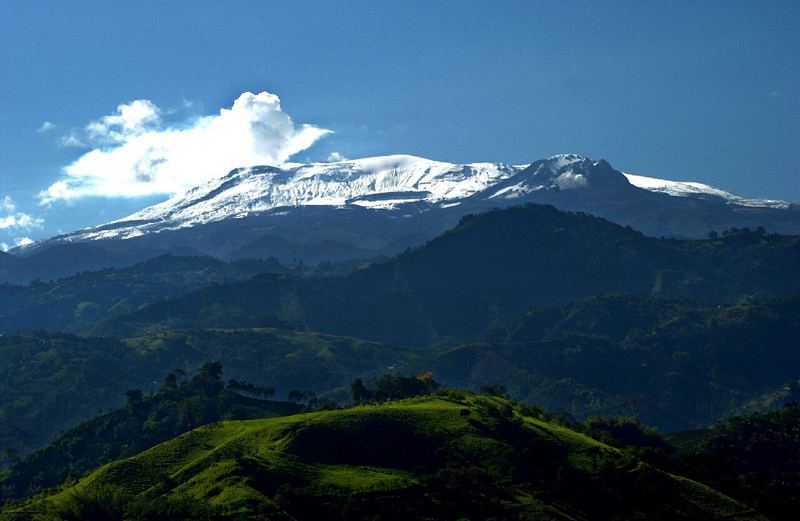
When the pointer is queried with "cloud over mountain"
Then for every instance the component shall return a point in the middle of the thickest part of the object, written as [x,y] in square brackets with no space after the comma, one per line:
[133,153]
[10,218]
[12,222]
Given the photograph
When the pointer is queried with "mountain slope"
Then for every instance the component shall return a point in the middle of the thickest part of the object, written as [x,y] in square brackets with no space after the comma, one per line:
[71,304]
[490,268]
[442,458]
[178,406]
[757,456]
[51,382]
[380,182]
[380,206]
[671,364]
[393,182]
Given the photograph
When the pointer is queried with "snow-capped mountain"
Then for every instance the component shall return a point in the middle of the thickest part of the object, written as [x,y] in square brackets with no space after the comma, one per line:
[389,183]
[700,190]
[382,205]
[378,183]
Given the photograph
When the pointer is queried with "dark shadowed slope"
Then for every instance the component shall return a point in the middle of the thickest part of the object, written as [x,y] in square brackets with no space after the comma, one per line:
[672,364]
[487,270]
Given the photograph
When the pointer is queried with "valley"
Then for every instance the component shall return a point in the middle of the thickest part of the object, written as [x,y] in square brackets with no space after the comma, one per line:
[582,317]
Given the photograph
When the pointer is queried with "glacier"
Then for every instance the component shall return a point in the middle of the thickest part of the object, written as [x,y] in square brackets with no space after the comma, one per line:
[382,183]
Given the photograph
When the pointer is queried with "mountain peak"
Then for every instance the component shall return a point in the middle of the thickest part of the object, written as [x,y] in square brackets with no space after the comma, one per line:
[562,160]
[403,185]
[382,182]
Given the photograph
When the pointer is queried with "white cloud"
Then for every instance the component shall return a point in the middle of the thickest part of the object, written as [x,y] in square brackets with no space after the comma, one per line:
[22,221]
[136,155]
[72,140]
[23,241]
[17,220]
[19,241]
[335,157]
[131,119]
[45,127]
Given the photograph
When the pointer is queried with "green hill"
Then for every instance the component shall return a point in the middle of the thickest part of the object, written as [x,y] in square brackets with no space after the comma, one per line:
[76,302]
[672,364]
[178,406]
[51,382]
[455,456]
[756,457]
[487,270]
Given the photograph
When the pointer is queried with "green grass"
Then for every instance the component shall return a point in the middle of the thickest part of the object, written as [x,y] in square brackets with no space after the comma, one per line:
[437,457]
[346,479]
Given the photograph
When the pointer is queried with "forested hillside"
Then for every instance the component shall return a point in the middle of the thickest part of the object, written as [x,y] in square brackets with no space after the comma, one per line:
[51,382]
[74,303]
[674,364]
[609,330]
[486,271]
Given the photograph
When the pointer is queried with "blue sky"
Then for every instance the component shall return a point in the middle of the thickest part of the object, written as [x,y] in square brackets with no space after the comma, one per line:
[704,91]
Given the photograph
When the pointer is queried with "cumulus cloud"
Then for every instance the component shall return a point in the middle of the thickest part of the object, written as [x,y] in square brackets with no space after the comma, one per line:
[335,157]
[131,119]
[135,154]
[45,127]
[12,219]
[19,241]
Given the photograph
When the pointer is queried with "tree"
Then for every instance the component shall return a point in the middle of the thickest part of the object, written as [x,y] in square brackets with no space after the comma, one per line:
[170,382]
[251,389]
[12,455]
[209,379]
[731,231]
[210,370]
[301,396]
[359,391]
[626,431]
[495,390]
[133,397]
[396,387]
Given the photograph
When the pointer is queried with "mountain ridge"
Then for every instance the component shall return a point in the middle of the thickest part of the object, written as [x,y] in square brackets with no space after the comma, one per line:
[260,188]
[490,267]
[373,207]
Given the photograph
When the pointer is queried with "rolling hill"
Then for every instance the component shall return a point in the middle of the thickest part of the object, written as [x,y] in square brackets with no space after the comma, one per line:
[50,383]
[454,456]
[672,364]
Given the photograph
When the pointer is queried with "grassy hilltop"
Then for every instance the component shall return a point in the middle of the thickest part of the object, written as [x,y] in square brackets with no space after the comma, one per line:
[451,456]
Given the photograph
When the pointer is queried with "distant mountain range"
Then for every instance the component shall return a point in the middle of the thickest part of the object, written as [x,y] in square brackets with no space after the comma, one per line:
[486,270]
[381,206]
